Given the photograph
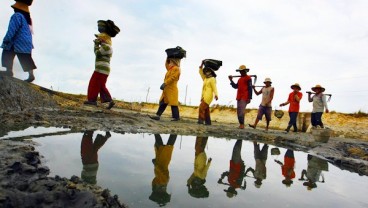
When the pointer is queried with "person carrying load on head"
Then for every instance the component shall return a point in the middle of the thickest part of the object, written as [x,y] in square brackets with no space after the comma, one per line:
[196,181]
[209,89]
[244,93]
[103,52]
[18,41]
[170,92]
[319,104]
[266,105]
[294,100]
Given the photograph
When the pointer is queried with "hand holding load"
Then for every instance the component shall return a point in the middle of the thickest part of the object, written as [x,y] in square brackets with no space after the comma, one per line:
[162,87]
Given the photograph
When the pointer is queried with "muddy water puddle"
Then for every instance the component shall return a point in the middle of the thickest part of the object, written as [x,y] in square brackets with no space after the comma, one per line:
[147,170]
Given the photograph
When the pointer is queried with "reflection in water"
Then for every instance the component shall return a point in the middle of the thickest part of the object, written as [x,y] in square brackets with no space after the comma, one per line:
[89,155]
[314,172]
[138,186]
[196,181]
[161,169]
[287,168]
[236,173]
[260,171]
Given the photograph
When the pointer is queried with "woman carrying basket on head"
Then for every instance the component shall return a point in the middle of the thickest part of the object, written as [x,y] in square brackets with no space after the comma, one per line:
[170,92]
[209,89]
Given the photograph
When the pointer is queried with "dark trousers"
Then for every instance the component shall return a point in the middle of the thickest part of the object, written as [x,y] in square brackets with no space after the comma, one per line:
[174,110]
[236,156]
[316,119]
[289,153]
[159,142]
[293,116]
[25,59]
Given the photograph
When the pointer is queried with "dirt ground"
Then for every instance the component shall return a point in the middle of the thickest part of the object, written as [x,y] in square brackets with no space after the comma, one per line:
[347,148]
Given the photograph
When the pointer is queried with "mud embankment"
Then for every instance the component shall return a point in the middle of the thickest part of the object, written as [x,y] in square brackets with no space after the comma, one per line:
[55,109]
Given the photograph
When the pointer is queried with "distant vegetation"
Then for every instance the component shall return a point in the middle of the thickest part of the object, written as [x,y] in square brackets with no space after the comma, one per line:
[359,114]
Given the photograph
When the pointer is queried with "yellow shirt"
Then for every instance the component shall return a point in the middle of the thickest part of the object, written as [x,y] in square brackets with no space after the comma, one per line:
[163,158]
[170,94]
[201,167]
[209,88]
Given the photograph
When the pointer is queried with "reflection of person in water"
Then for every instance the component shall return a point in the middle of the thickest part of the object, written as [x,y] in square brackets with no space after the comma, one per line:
[314,172]
[89,149]
[161,163]
[260,172]
[195,183]
[287,168]
[236,173]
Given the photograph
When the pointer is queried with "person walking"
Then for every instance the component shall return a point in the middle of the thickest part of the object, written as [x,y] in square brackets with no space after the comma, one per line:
[287,168]
[196,181]
[235,175]
[260,170]
[103,52]
[89,155]
[266,105]
[170,92]
[294,100]
[244,92]
[18,41]
[319,105]
[163,154]
[208,90]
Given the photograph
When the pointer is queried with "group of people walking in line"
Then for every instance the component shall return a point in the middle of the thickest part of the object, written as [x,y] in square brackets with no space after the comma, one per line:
[196,183]
[245,89]
[18,42]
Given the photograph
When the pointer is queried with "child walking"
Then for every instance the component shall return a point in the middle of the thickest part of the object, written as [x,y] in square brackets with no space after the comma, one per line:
[319,104]
[266,105]
[294,99]
[208,90]
[103,52]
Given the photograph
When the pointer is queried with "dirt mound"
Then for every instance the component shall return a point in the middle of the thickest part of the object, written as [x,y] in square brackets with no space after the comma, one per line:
[17,95]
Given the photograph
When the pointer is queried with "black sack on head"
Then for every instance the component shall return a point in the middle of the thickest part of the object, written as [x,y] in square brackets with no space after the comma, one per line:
[212,64]
[111,28]
[177,52]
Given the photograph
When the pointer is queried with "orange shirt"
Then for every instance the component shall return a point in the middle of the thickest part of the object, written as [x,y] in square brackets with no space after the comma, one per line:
[235,174]
[288,167]
[294,105]
[244,88]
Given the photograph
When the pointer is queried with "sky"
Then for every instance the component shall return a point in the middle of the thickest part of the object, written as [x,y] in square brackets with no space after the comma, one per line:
[307,42]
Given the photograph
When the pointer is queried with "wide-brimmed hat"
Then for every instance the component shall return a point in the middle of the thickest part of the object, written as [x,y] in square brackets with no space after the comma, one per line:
[318,87]
[231,192]
[296,85]
[242,68]
[287,183]
[267,80]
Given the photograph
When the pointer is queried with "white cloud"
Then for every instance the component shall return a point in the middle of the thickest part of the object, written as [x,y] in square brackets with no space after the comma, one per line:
[314,42]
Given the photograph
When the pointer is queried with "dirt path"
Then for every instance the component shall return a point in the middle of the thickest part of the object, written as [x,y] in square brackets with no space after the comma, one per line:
[346,153]
[21,172]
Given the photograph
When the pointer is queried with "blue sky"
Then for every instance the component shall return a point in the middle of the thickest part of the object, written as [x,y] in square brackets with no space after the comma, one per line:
[309,42]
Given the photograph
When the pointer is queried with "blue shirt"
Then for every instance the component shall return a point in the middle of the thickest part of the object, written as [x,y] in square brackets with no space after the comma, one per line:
[18,37]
